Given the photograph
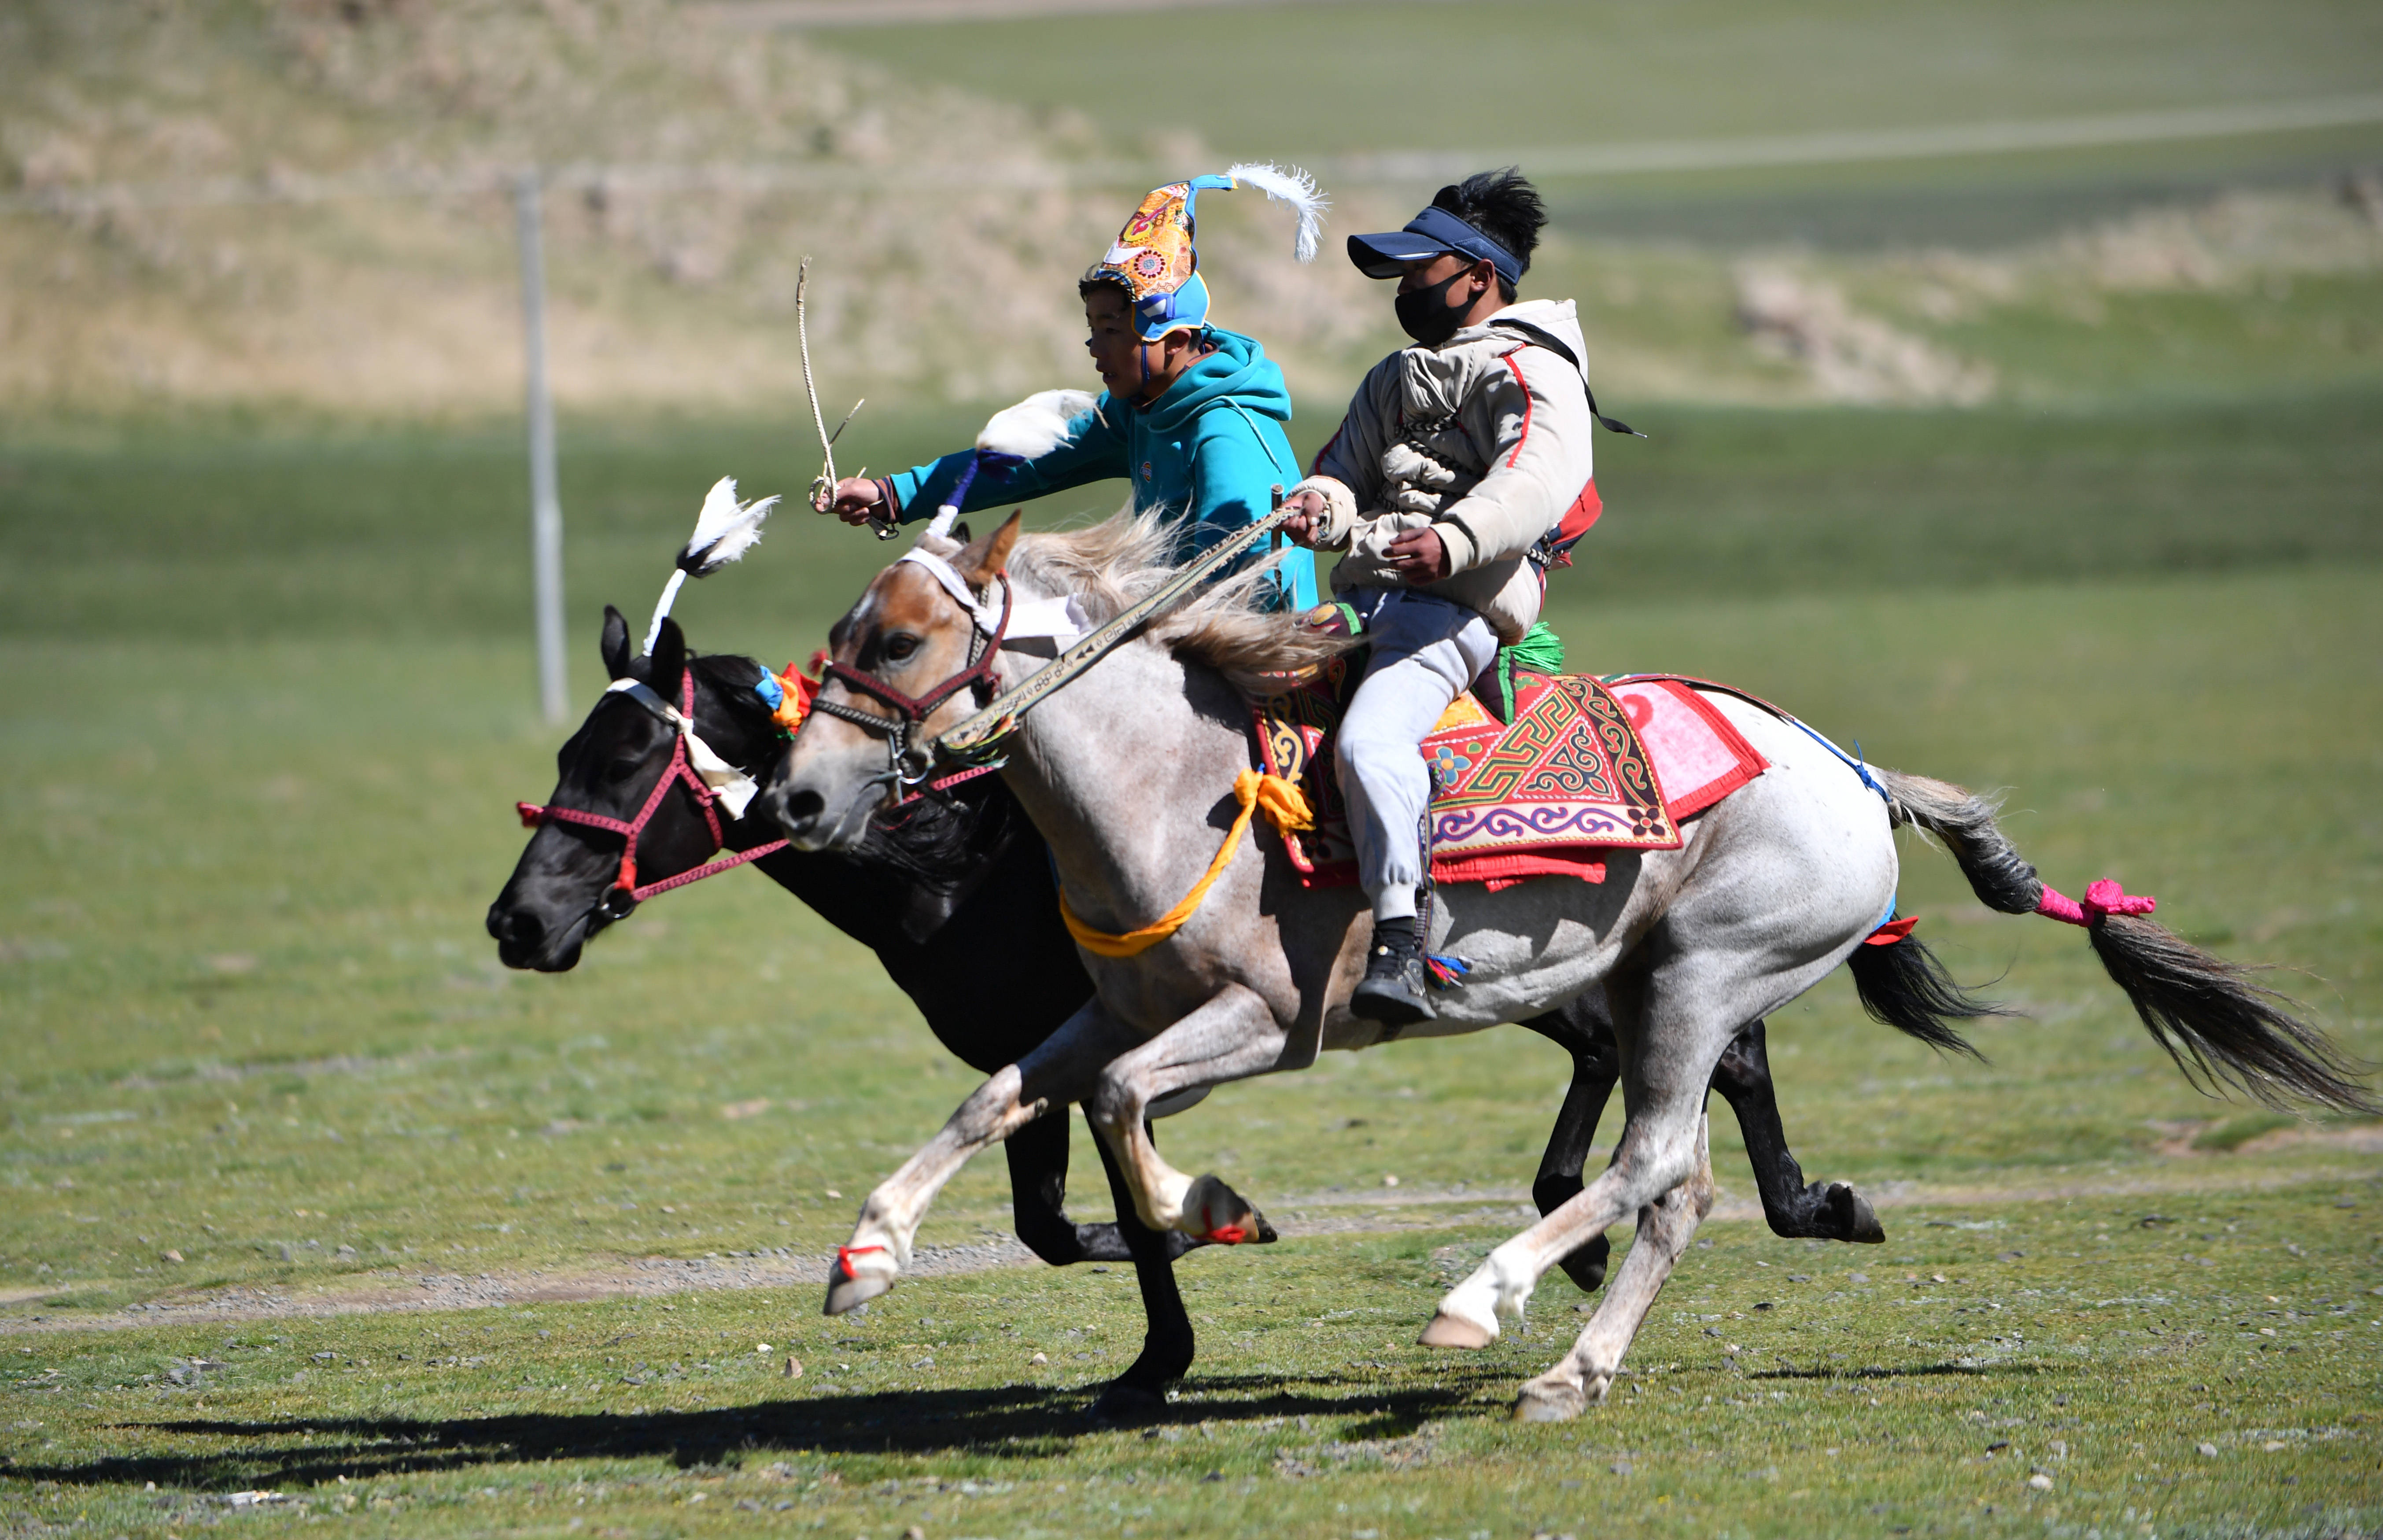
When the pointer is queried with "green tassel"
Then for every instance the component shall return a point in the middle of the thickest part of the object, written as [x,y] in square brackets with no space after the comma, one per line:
[1539,651]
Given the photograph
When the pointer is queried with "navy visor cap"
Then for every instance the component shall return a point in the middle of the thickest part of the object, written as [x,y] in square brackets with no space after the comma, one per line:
[1426,235]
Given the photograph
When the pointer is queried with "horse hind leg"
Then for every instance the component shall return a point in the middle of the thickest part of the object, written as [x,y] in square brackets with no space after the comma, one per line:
[1582,1378]
[1661,1147]
[1822,1211]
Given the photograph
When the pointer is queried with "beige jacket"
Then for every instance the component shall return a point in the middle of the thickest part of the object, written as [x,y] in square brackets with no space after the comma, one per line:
[1485,438]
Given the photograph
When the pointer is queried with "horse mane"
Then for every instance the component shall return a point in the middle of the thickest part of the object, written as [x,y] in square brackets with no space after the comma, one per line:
[1224,625]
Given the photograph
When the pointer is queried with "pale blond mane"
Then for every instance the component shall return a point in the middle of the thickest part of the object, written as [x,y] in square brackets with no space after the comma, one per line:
[1109,565]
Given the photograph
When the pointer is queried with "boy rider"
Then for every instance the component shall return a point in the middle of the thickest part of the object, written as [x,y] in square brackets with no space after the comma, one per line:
[1457,458]
[1190,415]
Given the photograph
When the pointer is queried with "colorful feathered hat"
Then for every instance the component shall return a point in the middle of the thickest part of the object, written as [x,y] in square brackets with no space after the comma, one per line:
[1154,258]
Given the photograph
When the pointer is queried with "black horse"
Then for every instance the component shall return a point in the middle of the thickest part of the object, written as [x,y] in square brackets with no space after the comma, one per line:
[958,901]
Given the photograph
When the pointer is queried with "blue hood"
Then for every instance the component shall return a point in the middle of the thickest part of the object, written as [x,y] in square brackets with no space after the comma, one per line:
[1239,368]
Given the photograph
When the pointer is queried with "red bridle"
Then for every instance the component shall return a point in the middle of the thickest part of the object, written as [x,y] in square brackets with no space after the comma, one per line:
[681,771]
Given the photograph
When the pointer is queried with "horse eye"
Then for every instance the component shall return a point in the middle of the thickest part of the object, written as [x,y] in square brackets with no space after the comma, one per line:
[900,645]
[620,770]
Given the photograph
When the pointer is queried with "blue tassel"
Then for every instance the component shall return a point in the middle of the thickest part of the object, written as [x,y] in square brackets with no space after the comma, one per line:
[1446,970]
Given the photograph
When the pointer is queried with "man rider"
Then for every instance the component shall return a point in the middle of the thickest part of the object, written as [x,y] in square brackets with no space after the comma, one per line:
[1462,469]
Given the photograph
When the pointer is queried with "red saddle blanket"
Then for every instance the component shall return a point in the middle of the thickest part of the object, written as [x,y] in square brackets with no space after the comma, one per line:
[1585,767]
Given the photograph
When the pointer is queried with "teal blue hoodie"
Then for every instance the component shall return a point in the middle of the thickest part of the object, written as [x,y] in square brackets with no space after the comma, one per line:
[1209,453]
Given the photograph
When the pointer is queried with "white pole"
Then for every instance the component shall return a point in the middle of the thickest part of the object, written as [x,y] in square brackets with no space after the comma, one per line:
[545,506]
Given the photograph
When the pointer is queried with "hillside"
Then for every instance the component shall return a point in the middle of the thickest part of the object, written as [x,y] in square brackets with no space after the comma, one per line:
[945,228]
[300,209]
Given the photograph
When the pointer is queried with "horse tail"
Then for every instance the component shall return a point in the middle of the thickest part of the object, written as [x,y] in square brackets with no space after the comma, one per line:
[2210,1016]
[1902,985]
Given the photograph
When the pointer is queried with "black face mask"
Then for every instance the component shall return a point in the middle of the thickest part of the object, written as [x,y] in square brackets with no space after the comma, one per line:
[1426,314]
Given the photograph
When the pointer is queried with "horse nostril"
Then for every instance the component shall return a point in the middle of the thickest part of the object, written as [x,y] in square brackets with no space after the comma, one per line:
[517,926]
[798,809]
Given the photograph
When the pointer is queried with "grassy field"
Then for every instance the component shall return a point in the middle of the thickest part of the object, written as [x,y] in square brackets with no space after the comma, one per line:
[252,1022]
[1308,81]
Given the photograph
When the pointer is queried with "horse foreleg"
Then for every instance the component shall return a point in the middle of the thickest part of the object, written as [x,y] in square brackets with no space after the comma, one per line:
[1038,1187]
[1587,1372]
[1826,1211]
[1580,1028]
[1061,1069]
[1230,1037]
[1167,1343]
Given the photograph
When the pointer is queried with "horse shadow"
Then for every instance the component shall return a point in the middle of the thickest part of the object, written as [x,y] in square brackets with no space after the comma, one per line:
[1007,1421]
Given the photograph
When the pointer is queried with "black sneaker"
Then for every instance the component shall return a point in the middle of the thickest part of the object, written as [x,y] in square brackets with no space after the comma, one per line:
[1393,991]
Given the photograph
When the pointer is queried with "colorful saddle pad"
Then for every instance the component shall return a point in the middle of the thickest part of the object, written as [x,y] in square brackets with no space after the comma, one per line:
[1581,771]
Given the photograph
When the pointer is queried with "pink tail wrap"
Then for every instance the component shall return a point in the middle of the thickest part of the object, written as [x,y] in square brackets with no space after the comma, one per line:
[2105,897]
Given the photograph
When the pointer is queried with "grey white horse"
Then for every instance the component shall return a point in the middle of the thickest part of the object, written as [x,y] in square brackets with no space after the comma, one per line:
[1128,772]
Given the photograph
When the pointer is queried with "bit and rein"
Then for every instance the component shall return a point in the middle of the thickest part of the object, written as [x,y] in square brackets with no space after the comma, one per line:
[907,767]
[912,760]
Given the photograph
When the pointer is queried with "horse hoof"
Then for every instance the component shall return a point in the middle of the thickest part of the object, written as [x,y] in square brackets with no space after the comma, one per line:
[847,1293]
[1853,1216]
[1124,1406]
[1586,1266]
[1452,1331]
[1218,1213]
[1546,1401]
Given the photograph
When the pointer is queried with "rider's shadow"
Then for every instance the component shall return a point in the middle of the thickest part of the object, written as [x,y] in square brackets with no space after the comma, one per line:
[1026,1422]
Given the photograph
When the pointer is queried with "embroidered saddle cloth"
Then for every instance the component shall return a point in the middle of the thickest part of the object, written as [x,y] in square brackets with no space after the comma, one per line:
[1584,767]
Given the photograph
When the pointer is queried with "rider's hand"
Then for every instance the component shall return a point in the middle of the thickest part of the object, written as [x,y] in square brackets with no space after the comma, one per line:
[1307,517]
[1420,555]
[856,499]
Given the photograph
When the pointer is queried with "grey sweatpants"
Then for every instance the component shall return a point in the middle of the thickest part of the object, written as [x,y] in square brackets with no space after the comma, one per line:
[1425,650]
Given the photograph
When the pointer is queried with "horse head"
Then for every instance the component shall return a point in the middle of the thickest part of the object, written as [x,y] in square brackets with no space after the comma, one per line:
[573,880]
[902,664]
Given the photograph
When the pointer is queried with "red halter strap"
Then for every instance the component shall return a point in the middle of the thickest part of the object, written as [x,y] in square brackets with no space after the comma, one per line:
[681,771]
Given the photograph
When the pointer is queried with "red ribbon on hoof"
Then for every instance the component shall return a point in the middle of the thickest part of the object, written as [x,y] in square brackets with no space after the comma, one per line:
[843,1255]
[2103,897]
[1892,932]
[1228,1235]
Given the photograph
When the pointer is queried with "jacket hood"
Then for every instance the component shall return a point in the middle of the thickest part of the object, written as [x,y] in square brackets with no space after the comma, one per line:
[1240,369]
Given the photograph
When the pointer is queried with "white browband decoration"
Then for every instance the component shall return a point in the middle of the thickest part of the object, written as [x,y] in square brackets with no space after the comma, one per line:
[1030,619]
[735,789]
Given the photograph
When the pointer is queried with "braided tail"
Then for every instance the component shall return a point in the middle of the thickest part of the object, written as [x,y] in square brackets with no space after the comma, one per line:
[2220,1026]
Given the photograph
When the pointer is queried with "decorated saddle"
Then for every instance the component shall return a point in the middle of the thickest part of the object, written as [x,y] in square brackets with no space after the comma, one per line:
[1580,768]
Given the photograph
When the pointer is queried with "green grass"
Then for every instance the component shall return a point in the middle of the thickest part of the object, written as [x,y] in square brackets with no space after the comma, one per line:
[1780,1388]
[199,535]
[249,1018]
[1293,82]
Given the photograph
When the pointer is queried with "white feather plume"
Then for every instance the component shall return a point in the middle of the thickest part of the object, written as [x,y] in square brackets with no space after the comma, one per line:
[1297,189]
[724,531]
[1036,426]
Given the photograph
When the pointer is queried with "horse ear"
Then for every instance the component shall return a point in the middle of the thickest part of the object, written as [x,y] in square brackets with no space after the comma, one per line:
[616,643]
[667,662]
[984,558]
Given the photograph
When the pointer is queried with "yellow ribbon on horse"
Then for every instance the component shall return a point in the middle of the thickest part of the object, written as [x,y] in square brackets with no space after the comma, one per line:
[1285,806]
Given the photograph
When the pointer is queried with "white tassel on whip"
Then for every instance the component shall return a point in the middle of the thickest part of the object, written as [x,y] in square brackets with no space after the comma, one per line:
[1297,189]
[1036,426]
[1028,431]
[724,531]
